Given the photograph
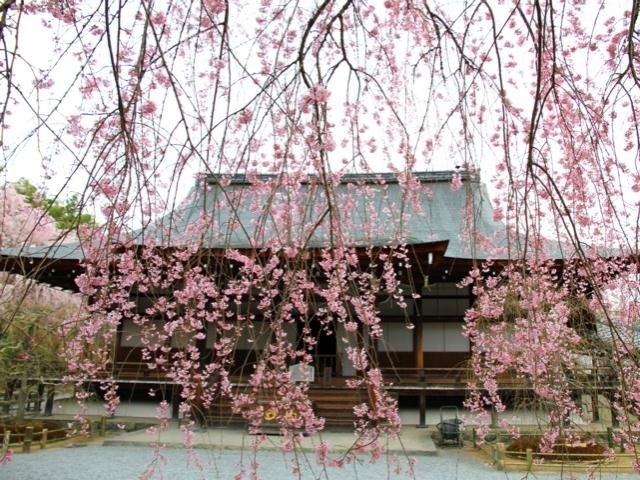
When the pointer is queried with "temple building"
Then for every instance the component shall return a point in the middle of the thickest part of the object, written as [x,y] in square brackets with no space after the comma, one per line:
[443,221]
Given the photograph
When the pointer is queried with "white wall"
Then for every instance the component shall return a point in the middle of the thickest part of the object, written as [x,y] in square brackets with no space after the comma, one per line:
[396,338]
[444,337]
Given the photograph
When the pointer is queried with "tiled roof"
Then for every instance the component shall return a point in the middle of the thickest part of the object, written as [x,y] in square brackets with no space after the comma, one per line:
[369,209]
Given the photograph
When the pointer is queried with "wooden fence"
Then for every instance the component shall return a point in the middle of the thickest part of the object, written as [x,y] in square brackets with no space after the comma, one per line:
[530,460]
[30,439]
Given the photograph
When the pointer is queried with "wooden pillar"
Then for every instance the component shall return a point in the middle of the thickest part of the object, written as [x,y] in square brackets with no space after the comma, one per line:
[6,440]
[423,409]
[604,411]
[8,396]
[48,404]
[418,353]
[102,426]
[417,346]
[39,399]
[175,402]
[418,362]
[500,454]
[495,422]
[27,439]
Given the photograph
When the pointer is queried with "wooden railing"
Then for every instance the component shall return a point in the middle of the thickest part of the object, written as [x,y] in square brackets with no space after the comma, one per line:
[45,437]
[452,376]
[327,366]
[426,373]
[29,437]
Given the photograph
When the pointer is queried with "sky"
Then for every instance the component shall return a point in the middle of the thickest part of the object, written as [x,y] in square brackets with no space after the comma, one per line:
[29,149]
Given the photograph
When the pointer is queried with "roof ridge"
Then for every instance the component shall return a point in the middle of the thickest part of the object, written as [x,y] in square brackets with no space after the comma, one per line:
[432,176]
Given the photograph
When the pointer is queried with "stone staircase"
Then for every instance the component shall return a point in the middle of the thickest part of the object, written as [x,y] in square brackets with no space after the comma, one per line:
[335,405]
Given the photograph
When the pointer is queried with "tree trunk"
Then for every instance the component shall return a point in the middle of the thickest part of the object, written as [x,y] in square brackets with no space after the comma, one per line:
[22,397]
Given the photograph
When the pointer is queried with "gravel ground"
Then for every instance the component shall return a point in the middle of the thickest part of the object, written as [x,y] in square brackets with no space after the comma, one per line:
[95,462]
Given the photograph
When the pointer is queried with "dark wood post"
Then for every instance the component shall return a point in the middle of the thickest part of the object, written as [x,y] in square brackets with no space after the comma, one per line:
[48,404]
[175,402]
[418,339]
[418,354]
[40,397]
[494,417]
[8,396]
[417,347]
[423,409]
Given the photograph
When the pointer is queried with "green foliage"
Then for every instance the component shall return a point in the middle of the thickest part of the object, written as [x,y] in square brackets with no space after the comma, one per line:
[67,214]
[32,339]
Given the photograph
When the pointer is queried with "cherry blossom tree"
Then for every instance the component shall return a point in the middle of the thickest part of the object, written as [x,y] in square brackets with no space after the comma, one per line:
[131,100]
[34,317]
[22,224]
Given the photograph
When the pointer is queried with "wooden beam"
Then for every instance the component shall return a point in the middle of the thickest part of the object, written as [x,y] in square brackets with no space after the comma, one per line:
[417,344]
[417,336]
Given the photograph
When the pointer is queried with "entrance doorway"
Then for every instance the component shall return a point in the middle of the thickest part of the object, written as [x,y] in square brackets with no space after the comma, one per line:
[325,354]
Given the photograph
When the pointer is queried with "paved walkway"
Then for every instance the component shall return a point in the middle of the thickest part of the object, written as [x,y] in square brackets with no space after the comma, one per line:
[95,462]
[412,441]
